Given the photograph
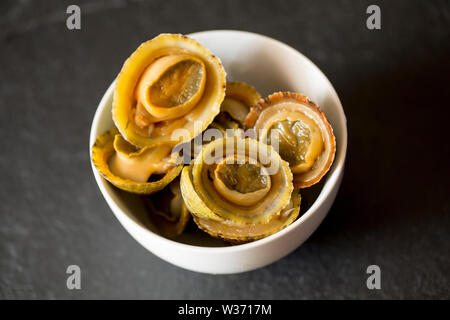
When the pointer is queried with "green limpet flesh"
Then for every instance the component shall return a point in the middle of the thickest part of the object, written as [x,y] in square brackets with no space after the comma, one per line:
[243,178]
[177,85]
[294,140]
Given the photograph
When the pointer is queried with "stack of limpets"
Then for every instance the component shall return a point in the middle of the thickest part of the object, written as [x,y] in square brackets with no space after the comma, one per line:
[254,155]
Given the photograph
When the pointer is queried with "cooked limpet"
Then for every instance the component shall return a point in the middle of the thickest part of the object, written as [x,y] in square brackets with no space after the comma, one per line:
[235,181]
[305,137]
[131,169]
[239,98]
[168,83]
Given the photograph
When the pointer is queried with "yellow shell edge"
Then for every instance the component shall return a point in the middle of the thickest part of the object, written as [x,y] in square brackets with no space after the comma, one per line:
[192,201]
[102,151]
[296,199]
[244,92]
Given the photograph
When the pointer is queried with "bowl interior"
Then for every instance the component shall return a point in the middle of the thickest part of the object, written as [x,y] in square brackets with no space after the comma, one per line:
[269,66]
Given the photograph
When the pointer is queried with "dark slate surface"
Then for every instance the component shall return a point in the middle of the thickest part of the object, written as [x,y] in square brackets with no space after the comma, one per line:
[393,207]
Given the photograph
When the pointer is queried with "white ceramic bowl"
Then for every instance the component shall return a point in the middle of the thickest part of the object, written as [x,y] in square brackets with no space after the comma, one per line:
[270,66]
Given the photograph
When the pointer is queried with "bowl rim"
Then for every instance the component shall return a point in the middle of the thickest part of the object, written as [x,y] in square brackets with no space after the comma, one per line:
[332,176]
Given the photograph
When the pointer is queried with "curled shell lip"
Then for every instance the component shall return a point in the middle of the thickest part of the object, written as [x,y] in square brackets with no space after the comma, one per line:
[165,44]
[239,234]
[244,97]
[243,92]
[330,140]
[193,202]
[103,149]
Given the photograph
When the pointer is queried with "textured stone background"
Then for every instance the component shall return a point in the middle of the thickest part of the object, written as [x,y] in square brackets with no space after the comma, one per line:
[393,208]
